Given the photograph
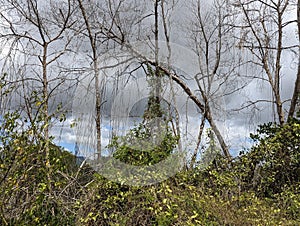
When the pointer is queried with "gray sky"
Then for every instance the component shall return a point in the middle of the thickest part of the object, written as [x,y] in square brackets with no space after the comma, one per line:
[236,125]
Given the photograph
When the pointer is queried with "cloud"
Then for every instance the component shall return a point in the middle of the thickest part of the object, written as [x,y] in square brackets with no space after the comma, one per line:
[235,125]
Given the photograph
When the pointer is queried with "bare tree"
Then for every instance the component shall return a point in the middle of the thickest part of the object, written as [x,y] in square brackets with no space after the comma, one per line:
[39,33]
[210,41]
[215,49]
[107,24]
[93,40]
[297,82]
[263,26]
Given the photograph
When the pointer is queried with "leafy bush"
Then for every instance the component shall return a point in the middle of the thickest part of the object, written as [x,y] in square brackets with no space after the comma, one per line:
[26,195]
[145,153]
[274,162]
[260,187]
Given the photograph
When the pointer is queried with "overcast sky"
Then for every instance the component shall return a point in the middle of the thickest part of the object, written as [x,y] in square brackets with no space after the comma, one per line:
[235,125]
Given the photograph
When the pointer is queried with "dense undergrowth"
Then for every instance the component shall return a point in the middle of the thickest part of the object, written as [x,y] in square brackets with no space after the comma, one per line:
[259,187]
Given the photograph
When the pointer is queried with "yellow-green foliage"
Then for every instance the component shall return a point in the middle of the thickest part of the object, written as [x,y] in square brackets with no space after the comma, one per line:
[221,194]
[176,202]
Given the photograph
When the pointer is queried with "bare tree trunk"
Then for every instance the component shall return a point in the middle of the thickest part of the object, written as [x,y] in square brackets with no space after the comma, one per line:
[278,69]
[210,46]
[202,108]
[98,108]
[296,92]
[157,88]
[93,41]
[219,137]
[194,156]
[176,129]
[265,45]
[46,114]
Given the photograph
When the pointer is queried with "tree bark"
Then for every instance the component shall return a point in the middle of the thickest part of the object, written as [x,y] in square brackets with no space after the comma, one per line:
[203,110]
[296,92]
[92,40]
